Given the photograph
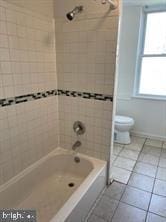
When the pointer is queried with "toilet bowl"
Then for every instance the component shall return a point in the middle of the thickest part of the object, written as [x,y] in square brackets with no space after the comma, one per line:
[123,125]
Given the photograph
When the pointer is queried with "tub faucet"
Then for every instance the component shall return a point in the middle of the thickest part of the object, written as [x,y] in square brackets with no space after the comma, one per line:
[76,145]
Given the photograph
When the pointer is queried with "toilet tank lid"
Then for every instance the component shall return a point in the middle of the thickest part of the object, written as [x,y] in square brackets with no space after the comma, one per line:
[123,119]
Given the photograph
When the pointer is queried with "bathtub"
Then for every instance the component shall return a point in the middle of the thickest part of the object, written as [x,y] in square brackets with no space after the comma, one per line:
[57,187]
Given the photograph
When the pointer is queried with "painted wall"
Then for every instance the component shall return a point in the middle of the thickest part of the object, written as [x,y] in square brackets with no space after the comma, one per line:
[86,55]
[28,130]
[149,115]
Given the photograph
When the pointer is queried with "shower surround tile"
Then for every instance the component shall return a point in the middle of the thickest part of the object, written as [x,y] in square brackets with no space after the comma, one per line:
[96,140]
[28,126]
[86,55]
[39,54]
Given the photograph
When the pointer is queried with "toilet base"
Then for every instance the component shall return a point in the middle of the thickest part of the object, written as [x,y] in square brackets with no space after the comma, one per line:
[122,137]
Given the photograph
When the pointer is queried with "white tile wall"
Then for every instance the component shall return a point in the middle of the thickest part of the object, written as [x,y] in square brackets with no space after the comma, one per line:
[27,133]
[29,130]
[85,61]
[86,53]
[86,50]
[97,118]
[27,53]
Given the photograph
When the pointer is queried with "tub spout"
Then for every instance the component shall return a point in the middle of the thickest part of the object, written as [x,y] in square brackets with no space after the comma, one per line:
[76,145]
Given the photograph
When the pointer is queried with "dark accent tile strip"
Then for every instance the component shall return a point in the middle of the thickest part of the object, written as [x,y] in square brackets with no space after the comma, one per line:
[54,92]
[86,95]
[27,98]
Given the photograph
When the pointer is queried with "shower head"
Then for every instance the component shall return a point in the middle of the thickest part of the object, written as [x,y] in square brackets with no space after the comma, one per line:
[70,15]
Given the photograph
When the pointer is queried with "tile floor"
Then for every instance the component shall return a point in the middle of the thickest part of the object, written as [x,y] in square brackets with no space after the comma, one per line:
[144,156]
[142,195]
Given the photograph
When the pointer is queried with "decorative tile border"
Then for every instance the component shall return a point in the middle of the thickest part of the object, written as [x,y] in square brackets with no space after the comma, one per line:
[55,92]
[86,95]
[27,98]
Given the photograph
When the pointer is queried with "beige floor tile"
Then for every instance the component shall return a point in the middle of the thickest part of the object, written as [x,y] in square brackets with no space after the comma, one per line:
[148,158]
[115,190]
[136,198]
[136,143]
[126,213]
[161,173]
[94,218]
[162,162]
[105,208]
[160,187]
[155,218]
[145,169]
[120,175]
[164,144]
[130,154]
[117,148]
[155,143]
[155,151]
[158,205]
[141,182]
[124,163]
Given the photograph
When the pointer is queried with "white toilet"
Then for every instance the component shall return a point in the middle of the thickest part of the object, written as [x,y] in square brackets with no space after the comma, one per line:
[123,124]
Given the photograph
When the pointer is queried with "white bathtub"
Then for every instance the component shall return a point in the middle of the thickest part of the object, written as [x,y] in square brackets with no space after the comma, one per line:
[44,186]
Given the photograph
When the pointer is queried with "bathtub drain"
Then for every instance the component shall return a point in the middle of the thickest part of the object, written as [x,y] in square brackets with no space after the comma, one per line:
[76,159]
[71,184]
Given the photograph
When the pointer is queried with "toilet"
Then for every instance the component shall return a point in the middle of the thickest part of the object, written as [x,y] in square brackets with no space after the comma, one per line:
[123,125]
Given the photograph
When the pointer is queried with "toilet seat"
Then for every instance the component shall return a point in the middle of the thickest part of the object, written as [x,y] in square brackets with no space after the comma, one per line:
[123,120]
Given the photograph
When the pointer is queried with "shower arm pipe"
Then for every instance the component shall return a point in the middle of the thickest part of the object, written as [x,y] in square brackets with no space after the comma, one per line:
[113,3]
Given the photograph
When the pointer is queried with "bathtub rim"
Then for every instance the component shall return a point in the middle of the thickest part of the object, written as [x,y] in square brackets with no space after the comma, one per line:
[75,198]
[71,203]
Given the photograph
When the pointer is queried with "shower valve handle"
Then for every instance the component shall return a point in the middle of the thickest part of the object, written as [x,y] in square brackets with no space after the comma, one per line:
[79,128]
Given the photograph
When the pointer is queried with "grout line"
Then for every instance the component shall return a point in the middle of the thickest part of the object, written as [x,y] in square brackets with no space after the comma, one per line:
[136,160]
[147,211]
[95,205]
[129,159]
[133,206]
[115,211]
[127,183]
[157,215]
[153,186]
[117,205]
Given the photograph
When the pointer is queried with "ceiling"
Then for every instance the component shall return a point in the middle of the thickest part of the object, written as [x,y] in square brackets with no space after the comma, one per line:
[144,2]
